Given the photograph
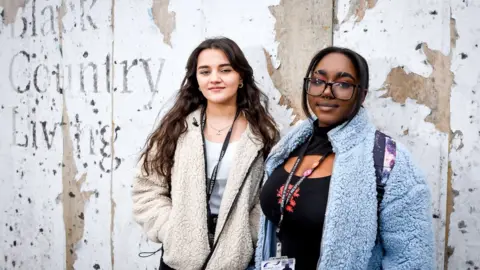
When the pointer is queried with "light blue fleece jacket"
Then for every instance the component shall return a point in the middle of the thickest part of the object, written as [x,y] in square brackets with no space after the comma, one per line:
[350,228]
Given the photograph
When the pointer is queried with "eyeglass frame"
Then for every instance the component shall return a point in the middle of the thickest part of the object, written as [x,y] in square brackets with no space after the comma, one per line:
[327,84]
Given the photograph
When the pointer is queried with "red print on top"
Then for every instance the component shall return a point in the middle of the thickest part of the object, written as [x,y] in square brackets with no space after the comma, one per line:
[291,203]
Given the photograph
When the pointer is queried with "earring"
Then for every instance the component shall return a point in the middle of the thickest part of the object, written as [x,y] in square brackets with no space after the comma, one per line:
[240,85]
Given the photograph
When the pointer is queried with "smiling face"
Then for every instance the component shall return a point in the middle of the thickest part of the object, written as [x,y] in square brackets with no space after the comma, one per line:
[332,109]
[216,78]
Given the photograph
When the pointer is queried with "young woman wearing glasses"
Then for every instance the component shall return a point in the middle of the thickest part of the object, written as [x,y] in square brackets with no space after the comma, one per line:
[338,193]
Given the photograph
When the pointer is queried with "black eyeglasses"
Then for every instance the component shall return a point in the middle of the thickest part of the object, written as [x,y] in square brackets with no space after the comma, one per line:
[340,90]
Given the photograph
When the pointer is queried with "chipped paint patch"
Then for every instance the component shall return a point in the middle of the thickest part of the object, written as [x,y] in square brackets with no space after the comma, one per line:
[302,28]
[62,10]
[363,6]
[283,101]
[164,19]
[433,91]
[10,10]
[73,198]
[400,56]
[358,9]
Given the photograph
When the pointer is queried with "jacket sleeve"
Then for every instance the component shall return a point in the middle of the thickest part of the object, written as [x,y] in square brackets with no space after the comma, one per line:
[255,220]
[406,218]
[256,210]
[151,204]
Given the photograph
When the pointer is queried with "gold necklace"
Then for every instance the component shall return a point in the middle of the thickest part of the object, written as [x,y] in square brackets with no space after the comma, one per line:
[219,131]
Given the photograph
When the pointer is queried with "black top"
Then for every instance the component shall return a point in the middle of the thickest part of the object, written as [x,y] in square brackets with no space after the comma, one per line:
[302,226]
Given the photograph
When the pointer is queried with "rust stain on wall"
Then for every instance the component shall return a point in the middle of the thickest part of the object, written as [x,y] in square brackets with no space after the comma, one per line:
[10,9]
[164,20]
[302,28]
[72,197]
[434,91]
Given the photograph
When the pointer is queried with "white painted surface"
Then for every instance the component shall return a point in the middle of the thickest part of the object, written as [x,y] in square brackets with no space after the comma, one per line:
[90,41]
[465,153]
[134,113]
[137,110]
[387,37]
[32,232]
[126,32]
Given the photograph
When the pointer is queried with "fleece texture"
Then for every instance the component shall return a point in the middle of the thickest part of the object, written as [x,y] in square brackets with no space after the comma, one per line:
[179,219]
[350,228]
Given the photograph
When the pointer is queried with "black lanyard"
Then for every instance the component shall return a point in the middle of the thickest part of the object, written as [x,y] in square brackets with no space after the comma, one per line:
[213,178]
[288,194]
[211,220]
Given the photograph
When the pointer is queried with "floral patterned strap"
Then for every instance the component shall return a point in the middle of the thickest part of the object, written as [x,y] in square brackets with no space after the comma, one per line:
[389,157]
[384,153]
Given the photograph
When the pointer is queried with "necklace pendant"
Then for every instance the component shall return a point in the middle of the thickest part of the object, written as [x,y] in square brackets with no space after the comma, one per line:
[219,133]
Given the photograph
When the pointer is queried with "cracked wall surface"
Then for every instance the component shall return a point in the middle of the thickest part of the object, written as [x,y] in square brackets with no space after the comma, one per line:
[83,83]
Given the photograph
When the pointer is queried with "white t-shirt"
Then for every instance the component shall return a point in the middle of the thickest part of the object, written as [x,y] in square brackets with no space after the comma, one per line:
[213,153]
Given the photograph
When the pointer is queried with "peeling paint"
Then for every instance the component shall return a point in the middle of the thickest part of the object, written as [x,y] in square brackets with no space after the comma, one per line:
[410,62]
[10,9]
[283,101]
[434,91]
[464,220]
[164,19]
[359,7]
[449,193]
[73,198]
[302,28]
[62,10]
[410,82]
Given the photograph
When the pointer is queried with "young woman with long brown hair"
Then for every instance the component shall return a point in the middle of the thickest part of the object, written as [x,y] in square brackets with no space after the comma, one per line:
[197,190]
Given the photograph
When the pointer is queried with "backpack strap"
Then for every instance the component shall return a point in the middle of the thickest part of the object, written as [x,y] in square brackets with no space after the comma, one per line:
[384,154]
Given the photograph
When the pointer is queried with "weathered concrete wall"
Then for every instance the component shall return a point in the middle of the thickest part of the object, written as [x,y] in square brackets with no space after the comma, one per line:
[423,92]
[83,82]
[464,187]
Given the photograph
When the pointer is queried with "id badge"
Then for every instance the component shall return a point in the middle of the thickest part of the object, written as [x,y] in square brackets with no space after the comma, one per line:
[282,263]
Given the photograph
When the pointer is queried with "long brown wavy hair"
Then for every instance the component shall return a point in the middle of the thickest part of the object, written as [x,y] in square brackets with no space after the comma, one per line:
[158,155]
